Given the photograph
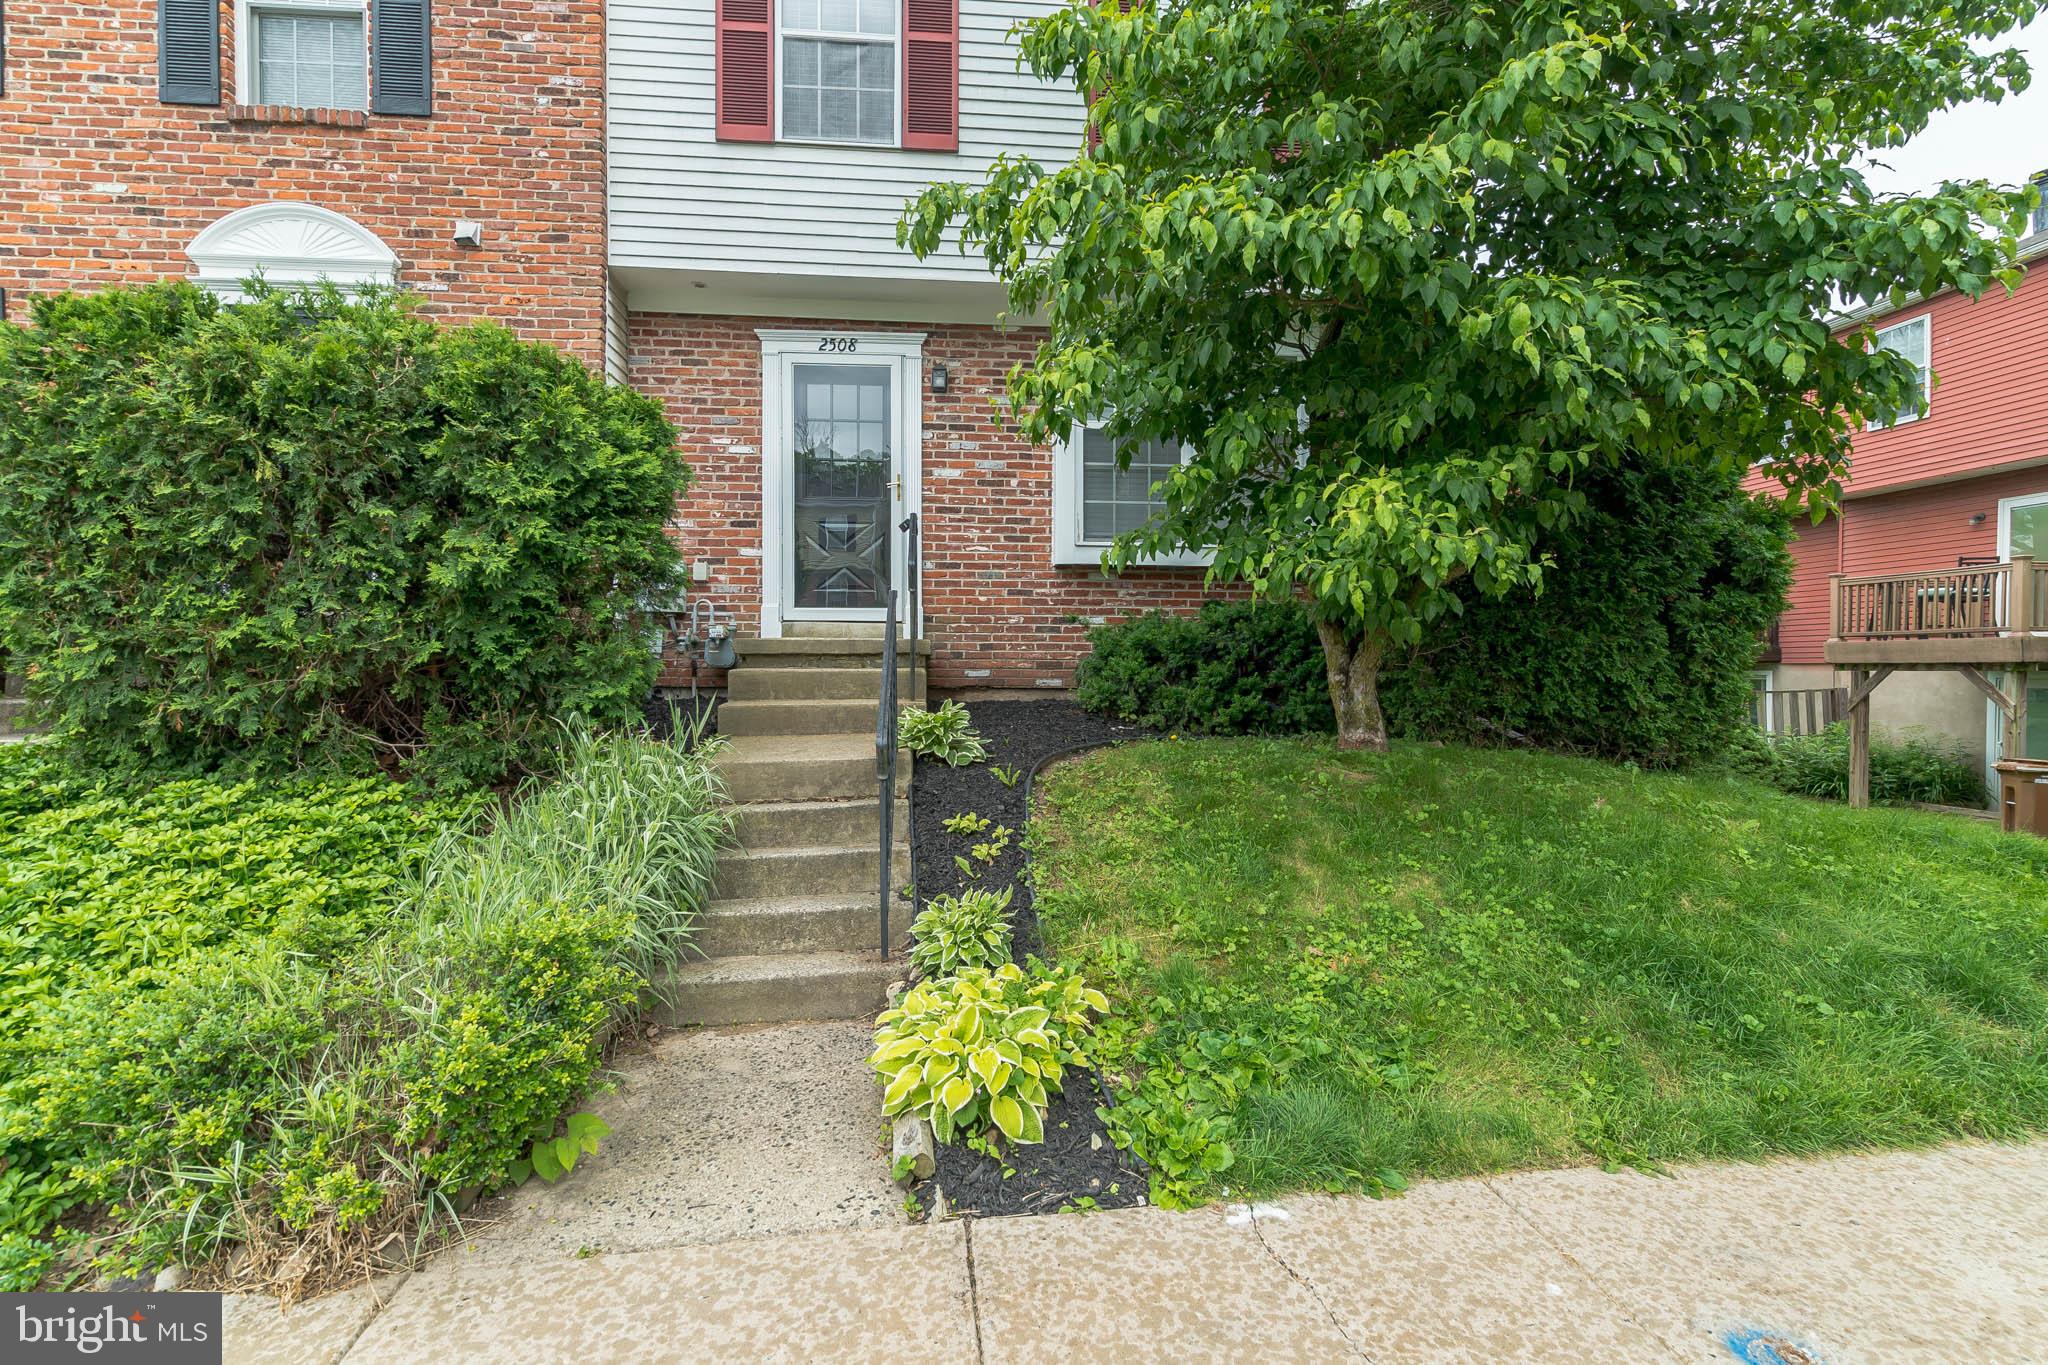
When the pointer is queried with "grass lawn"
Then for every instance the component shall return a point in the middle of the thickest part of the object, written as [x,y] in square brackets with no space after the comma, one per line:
[1335,970]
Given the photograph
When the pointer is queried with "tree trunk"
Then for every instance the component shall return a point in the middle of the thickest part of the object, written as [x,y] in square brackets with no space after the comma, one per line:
[1354,668]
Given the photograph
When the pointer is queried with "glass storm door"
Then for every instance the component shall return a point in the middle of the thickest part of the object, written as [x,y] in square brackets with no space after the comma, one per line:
[843,455]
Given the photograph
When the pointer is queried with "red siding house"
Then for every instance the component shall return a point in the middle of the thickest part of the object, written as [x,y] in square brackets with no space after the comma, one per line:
[1964,484]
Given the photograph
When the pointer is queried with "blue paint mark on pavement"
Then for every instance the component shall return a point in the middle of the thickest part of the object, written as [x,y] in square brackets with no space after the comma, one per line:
[1756,1347]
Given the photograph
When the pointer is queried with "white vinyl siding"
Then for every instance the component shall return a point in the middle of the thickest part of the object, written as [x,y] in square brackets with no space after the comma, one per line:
[310,58]
[1911,339]
[617,344]
[680,199]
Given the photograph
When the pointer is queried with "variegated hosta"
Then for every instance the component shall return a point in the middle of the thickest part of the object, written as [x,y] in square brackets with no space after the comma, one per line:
[984,1048]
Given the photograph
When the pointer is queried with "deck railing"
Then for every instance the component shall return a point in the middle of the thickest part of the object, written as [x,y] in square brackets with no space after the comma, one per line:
[1797,711]
[1963,603]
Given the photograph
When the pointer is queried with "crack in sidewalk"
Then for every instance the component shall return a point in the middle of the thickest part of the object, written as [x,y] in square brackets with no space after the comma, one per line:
[973,1292]
[1564,1254]
[378,1303]
[1252,1211]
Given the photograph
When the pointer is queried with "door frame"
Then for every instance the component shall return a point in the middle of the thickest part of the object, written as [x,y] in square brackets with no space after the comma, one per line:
[2006,507]
[782,350]
[1994,721]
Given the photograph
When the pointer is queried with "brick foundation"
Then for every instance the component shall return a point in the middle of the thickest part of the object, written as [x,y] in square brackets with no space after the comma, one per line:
[102,183]
[999,612]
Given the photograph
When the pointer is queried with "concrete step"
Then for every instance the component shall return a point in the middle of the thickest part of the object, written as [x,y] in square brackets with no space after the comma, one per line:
[811,717]
[835,630]
[833,824]
[744,684]
[803,924]
[777,988]
[759,873]
[839,651]
[804,768]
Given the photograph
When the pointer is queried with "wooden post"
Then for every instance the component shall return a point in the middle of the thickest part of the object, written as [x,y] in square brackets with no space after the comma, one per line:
[2020,596]
[2016,719]
[1834,606]
[1859,740]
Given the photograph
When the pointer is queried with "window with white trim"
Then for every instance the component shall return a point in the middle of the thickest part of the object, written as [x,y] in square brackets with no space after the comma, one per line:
[1910,339]
[1094,501]
[1116,498]
[306,54]
[838,71]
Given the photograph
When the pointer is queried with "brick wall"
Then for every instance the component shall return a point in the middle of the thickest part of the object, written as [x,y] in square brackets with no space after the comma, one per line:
[999,612]
[100,183]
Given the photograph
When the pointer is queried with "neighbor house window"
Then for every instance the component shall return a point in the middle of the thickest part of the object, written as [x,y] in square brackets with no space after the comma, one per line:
[310,54]
[839,65]
[1909,339]
[1094,501]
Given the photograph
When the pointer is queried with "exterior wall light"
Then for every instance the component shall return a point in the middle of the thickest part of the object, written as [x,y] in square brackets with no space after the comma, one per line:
[940,379]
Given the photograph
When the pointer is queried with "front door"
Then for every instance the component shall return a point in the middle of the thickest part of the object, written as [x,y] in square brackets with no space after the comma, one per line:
[841,433]
[843,489]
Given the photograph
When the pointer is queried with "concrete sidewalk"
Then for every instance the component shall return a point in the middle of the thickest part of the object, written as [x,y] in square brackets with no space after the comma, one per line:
[1939,1255]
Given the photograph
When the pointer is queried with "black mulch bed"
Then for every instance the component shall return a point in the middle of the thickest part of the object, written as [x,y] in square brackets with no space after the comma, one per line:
[666,705]
[1077,1160]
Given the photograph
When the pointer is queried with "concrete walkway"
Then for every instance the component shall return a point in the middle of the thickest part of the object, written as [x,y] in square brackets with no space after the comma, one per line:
[716,1134]
[1936,1256]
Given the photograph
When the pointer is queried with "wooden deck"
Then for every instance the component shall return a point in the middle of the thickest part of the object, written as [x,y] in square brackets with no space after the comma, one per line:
[1985,616]
[1974,619]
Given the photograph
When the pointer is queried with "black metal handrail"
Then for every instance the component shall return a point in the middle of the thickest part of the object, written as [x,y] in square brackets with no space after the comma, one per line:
[909,527]
[885,755]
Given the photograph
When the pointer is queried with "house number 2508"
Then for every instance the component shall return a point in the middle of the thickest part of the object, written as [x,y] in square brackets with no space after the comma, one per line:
[840,344]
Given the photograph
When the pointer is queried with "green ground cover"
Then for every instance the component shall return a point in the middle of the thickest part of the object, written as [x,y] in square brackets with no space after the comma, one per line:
[307,1017]
[1339,970]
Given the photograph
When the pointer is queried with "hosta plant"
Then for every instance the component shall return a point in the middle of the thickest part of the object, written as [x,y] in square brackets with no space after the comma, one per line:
[946,734]
[955,933]
[984,1049]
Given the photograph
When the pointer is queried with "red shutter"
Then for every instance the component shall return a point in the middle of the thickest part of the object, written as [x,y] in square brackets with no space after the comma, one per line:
[746,70]
[931,75]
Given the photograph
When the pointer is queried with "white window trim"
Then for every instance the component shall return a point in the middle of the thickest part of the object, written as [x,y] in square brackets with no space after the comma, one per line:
[2006,507]
[288,243]
[781,350]
[1926,380]
[779,67]
[1068,545]
[245,39]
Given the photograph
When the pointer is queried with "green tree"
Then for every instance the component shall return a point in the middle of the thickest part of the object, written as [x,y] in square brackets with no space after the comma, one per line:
[1401,273]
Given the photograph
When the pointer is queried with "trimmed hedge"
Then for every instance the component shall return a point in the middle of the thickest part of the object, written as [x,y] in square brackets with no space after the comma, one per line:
[1235,668]
[1639,647]
[308,527]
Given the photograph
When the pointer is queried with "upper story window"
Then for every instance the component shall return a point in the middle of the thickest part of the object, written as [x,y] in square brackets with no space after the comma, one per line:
[309,54]
[868,73]
[1909,339]
[839,66]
